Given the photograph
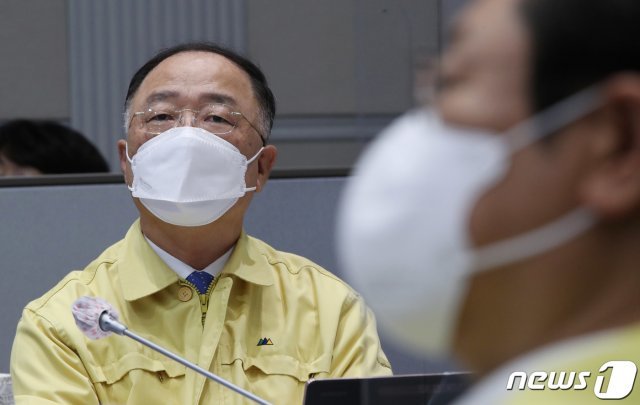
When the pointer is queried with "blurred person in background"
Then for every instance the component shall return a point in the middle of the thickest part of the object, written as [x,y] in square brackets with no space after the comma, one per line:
[502,224]
[32,148]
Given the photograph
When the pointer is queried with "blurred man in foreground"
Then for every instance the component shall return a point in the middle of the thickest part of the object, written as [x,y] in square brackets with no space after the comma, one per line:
[506,221]
[186,276]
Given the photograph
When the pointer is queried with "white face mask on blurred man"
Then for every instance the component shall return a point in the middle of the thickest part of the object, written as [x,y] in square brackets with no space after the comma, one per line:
[404,226]
[470,237]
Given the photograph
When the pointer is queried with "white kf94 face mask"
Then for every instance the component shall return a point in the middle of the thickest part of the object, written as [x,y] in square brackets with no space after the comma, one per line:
[187,176]
[403,225]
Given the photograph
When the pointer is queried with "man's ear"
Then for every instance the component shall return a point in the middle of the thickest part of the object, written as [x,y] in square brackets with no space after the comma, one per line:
[613,189]
[122,153]
[266,160]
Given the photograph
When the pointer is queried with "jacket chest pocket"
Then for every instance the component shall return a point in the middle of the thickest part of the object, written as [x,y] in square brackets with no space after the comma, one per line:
[137,378]
[280,378]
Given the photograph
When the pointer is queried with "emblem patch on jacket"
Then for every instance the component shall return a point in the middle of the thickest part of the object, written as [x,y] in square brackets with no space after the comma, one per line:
[265,342]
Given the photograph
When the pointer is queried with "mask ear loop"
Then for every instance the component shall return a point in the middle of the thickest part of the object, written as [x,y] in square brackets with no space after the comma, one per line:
[536,241]
[255,156]
[126,152]
[246,189]
[569,226]
[554,118]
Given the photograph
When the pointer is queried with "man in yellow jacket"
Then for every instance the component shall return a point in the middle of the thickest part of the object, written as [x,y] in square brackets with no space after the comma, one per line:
[186,276]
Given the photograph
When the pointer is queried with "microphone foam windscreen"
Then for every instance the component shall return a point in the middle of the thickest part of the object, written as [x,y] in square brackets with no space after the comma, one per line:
[86,312]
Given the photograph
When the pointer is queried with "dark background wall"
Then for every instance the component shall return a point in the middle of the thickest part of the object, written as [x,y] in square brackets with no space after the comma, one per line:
[34,66]
[341,69]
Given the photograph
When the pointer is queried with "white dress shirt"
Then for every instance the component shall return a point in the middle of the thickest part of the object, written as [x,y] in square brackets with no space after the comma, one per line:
[182,269]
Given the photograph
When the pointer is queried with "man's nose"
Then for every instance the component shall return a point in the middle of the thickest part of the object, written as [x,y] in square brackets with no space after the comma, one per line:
[187,118]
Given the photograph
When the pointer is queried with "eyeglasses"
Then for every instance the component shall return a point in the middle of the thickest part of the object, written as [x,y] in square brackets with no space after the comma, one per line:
[219,119]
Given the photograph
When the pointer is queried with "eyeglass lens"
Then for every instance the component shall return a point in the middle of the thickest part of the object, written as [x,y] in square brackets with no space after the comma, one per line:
[218,119]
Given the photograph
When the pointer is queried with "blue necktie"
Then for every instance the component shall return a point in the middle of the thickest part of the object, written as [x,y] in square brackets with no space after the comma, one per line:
[201,279]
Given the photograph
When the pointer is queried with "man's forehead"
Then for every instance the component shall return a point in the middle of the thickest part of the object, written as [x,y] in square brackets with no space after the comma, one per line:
[488,26]
[201,76]
[482,13]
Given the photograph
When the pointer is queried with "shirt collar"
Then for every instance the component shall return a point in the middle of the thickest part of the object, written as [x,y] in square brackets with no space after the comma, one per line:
[181,268]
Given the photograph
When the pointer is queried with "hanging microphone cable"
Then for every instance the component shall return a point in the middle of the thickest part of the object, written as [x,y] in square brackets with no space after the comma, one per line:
[96,318]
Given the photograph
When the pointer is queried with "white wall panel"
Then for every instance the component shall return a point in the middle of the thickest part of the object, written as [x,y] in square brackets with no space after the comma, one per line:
[110,40]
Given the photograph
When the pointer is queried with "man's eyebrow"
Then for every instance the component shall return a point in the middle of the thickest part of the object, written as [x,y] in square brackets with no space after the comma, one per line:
[161,96]
[219,98]
[206,97]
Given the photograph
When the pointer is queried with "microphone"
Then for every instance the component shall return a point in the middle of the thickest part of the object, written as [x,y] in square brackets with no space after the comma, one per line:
[96,318]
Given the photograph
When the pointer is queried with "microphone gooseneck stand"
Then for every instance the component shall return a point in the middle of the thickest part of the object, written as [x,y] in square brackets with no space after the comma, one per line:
[109,324]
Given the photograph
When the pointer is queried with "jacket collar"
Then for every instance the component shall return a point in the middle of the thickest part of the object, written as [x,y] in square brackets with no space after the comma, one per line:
[142,272]
[249,262]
